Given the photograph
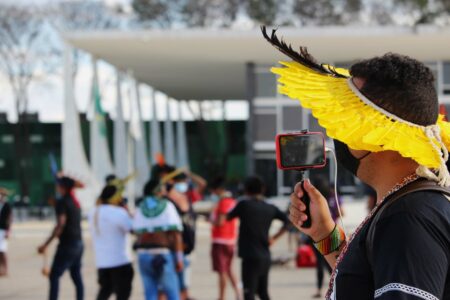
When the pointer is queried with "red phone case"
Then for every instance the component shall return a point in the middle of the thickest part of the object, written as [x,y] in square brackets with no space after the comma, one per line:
[278,150]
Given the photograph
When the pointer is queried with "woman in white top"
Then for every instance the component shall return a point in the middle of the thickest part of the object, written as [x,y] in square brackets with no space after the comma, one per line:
[110,225]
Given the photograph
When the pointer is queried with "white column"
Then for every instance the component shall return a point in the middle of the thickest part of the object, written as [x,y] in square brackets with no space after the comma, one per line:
[74,160]
[155,133]
[141,156]
[183,155]
[120,134]
[169,144]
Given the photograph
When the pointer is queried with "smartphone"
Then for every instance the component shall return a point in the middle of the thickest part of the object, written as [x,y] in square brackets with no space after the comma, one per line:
[300,150]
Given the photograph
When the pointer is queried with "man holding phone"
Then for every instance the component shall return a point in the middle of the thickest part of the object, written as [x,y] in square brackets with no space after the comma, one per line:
[383,117]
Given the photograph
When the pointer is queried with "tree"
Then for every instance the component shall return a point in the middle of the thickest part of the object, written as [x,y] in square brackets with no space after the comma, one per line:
[425,11]
[319,12]
[327,12]
[26,51]
[83,15]
[263,11]
[156,13]
[209,13]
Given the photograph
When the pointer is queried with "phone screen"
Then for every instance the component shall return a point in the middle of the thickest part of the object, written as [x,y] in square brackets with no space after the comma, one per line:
[302,150]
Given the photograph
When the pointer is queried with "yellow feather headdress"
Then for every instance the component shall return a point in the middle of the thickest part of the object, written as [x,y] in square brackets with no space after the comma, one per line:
[350,117]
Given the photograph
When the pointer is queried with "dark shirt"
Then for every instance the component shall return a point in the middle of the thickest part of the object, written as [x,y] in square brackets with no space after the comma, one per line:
[5,215]
[410,255]
[72,230]
[255,217]
[188,220]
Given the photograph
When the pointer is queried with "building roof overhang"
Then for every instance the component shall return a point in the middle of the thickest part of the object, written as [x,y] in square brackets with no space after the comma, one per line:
[211,63]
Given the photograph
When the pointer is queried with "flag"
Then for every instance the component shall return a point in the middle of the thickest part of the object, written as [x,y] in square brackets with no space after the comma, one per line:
[100,155]
[99,112]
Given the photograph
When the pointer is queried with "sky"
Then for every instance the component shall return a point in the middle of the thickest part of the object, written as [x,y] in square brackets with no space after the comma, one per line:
[47,95]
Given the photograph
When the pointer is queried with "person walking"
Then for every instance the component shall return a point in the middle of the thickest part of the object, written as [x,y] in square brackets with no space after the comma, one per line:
[158,228]
[256,217]
[183,189]
[224,236]
[5,227]
[68,230]
[383,114]
[110,224]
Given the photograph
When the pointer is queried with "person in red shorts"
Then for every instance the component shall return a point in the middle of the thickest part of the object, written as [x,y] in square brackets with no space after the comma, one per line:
[224,235]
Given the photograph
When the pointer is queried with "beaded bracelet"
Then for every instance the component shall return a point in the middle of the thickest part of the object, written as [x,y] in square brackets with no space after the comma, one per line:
[332,242]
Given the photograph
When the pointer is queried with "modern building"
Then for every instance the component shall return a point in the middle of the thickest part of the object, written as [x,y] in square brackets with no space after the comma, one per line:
[235,64]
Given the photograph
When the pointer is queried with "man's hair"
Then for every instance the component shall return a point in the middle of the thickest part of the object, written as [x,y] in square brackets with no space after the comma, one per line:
[254,185]
[401,85]
[110,178]
[217,183]
[180,177]
[150,186]
[66,182]
[158,170]
[107,192]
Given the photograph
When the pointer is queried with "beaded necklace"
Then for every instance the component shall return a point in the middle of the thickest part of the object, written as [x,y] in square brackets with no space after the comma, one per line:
[407,180]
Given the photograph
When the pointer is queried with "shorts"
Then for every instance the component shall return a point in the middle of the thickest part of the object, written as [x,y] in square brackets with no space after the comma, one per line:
[3,241]
[222,256]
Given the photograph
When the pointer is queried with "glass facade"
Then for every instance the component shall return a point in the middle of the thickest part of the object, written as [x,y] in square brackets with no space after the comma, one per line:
[266,86]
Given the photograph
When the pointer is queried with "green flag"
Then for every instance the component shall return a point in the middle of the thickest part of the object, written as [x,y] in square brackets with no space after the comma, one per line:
[99,112]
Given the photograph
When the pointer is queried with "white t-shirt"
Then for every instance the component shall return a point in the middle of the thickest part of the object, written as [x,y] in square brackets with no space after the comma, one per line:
[109,226]
[160,215]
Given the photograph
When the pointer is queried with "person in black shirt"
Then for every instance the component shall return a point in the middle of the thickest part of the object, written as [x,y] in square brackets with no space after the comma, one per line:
[5,226]
[256,217]
[408,255]
[70,248]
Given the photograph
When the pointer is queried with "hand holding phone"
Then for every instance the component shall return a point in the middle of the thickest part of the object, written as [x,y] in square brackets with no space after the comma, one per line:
[316,215]
[307,201]
[301,151]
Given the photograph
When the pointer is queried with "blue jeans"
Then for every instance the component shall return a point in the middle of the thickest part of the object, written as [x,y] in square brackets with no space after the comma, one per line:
[153,277]
[182,276]
[67,257]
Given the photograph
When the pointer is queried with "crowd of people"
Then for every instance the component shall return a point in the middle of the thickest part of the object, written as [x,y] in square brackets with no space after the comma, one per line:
[163,227]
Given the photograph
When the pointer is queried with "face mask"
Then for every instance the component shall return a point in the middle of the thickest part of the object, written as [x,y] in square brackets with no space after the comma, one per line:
[345,157]
[214,198]
[181,187]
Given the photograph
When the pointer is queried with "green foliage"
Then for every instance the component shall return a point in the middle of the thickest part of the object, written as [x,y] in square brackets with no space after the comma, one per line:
[203,13]
[222,13]
[158,11]
[319,12]
[263,11]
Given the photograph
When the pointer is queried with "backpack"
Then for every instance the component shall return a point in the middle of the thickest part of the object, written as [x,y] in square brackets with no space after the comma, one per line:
[189,228]
[420,185]
[305,257]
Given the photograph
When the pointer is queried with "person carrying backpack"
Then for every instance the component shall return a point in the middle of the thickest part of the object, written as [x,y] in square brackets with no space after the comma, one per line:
[383,117]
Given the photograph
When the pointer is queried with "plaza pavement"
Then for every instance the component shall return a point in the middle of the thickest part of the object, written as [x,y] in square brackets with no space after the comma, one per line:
[25,281]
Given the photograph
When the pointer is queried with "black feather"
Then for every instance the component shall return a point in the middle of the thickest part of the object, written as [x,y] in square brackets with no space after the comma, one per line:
[303,57]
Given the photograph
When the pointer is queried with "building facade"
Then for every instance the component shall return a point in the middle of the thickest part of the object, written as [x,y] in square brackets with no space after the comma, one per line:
[274,113]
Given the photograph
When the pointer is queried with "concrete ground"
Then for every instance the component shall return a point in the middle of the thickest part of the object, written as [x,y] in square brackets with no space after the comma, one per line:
[25,281]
